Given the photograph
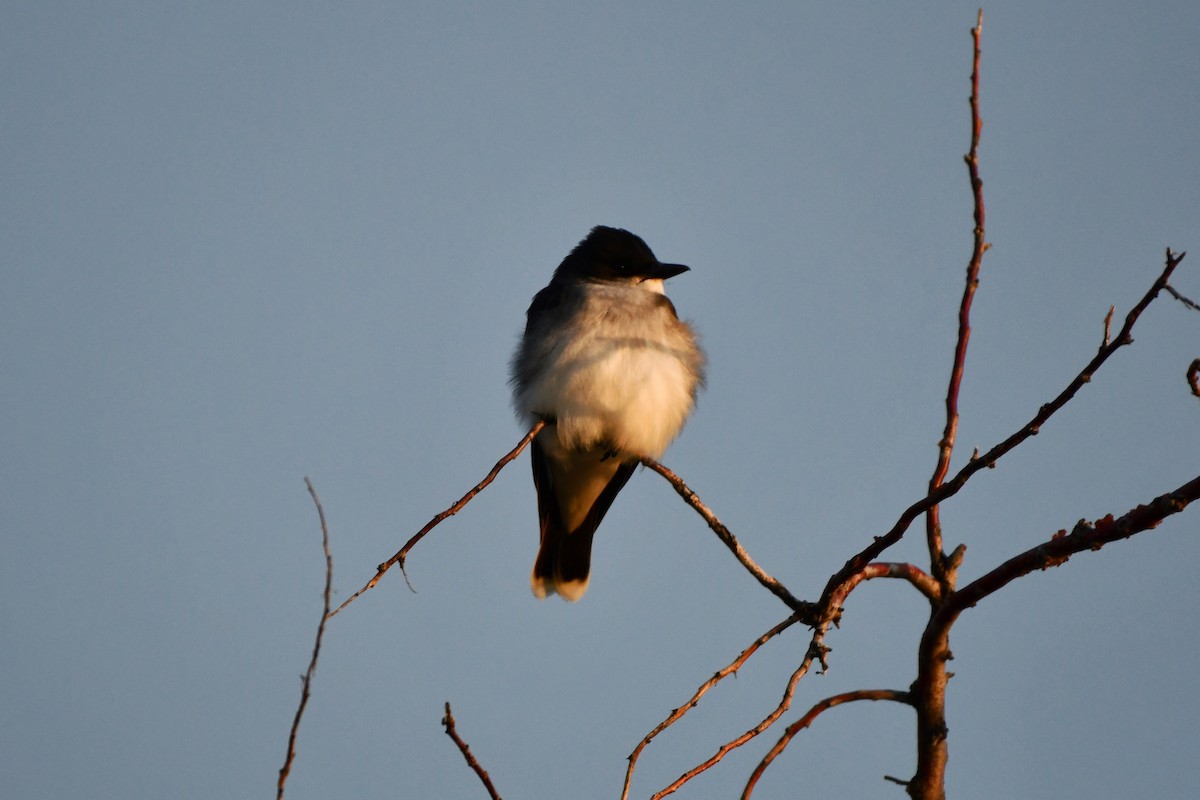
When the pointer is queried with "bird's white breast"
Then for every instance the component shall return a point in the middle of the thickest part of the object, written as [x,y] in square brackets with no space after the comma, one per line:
[622,372]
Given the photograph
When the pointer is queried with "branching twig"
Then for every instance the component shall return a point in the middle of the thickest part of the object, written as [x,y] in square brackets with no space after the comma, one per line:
[1061,546]
[816,651]
[930,687]
[463,748]
[805,610]
[988,459]
[306,680]
[807,720]
[933,525]
[677,714]
[399,557]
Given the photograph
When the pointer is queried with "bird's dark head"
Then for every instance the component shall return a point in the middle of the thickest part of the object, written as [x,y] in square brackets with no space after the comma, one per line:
[617,256]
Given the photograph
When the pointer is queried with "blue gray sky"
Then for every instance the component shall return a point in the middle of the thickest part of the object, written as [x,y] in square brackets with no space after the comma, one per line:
[246,242]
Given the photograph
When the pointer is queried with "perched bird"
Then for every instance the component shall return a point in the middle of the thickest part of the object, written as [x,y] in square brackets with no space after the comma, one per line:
[607,363]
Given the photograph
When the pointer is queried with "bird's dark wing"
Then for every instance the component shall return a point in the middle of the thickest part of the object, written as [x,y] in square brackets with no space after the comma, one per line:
[545,306]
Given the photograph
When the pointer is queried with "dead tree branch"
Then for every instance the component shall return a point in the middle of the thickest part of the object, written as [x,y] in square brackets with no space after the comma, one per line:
[472,762]
[954,485]
[306,679]
[808,719]
[816,652]
[677,713]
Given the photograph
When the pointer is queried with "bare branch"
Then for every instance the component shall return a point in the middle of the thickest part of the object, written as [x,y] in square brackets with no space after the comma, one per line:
[399,557]
[805,610]
[807,720]
[989,459]
[1061,546]
[677,714]
[933,525]
[306,680]
[1187,301]
[463,748]
[816,651]
[921,581]
[929,689]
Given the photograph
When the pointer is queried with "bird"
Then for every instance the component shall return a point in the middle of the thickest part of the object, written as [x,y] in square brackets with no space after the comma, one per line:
[613,372]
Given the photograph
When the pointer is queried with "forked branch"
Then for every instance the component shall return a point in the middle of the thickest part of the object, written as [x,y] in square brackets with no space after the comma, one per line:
[807,720]
[951,487]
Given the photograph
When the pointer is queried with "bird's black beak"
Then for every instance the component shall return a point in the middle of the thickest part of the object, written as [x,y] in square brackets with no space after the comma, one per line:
[663,271]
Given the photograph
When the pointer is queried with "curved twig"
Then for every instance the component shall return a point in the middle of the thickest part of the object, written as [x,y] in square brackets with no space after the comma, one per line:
[816,651]
[805,610]
[807,720]
[306,680]
[677,713]
[464,748]
[921,581]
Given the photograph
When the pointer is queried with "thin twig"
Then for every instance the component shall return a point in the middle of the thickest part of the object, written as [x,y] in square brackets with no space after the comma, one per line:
[1187,301]
[1107,326]
[933,525]
[954,485]
[1061,546]
[463,748]
[677,713]
[816,651]
[306,680]
[921,581]
[402,553]
[805,610]
[807,720]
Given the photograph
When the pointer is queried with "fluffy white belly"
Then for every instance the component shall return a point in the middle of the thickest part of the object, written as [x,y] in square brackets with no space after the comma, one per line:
[623,381]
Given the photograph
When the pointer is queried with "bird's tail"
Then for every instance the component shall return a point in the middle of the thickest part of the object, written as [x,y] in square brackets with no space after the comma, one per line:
[565,556]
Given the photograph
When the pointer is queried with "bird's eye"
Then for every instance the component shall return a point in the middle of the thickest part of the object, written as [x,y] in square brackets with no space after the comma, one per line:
[620,267]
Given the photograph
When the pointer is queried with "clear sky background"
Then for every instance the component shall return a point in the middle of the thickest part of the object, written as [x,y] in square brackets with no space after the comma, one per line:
[246,242]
